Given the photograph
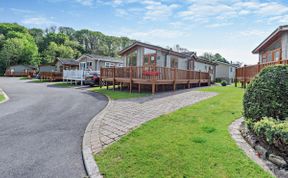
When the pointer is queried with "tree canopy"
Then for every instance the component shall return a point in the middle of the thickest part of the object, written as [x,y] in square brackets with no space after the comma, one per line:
[19,45]
[215,57]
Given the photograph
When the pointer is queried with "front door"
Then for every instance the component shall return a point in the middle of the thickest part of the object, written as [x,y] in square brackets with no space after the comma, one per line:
[149,59]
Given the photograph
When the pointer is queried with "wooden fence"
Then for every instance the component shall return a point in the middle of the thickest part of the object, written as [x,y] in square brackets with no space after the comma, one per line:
[247,73]
[152,75]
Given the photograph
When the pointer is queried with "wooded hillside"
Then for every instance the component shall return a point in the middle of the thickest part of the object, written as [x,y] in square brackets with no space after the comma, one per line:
[20,45]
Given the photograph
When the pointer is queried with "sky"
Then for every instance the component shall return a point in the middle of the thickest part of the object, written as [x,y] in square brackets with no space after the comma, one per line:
[232,28]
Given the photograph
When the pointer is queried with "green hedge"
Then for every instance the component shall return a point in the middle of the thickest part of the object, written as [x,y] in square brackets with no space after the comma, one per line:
[275,132]
[267,94]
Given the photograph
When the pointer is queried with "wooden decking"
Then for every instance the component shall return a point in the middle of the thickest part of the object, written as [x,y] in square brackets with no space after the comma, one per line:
[51,76]
[246,74]
[153,76]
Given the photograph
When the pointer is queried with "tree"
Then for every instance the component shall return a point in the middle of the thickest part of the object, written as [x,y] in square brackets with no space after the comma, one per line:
[70,32]
[19,45]
[38,35]
[209,56]
[218,57]
[54,50]
[8,27]
[215,57]
[19,51]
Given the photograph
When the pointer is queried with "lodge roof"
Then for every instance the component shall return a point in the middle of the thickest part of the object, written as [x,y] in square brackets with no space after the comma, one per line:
[271,38]
[150,46]
[101,58]
[26,65]
[65,61]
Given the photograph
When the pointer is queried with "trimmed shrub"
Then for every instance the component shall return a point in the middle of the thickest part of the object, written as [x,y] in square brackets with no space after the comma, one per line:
[275,132]
[223,83]
[267,94]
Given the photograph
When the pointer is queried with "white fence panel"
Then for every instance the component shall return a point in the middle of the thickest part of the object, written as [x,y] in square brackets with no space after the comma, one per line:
[74,74]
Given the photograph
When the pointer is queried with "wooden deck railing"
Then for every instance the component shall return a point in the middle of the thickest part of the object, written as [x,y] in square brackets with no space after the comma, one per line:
[247,73]
[153,75]
[158,73]
[18,74]
[52,76]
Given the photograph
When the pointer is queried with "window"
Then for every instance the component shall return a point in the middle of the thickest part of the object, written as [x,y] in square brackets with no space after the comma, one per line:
[82,65]
[231,69]
[89,65]
[269,59]
[174,62]
[109,64]
[131,59]
[149,56]
[264,58]
[276,55]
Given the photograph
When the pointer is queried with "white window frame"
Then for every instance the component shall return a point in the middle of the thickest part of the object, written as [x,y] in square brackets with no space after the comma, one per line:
[109,64]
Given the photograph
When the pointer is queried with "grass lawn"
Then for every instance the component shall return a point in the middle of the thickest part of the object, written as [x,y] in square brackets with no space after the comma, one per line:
[2,97]
[191,142]
[115,95]
[63,84]
[39,81]
[24,78]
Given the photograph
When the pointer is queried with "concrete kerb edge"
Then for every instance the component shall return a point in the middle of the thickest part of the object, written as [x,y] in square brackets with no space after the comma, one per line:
[5,96]
[234,130]
[87,153]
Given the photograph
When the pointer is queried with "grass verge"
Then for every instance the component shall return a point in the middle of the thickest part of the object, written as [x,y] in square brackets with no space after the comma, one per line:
[63,85]
[115,95]
[39,81]
[191,142]
[24,78]
[2,97]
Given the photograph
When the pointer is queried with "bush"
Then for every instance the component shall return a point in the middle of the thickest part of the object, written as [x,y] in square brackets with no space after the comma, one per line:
[223,83]
[267,94]
[275,132]
[218,80]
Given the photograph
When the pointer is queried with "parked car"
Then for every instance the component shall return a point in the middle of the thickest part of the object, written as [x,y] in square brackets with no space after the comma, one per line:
[92,78]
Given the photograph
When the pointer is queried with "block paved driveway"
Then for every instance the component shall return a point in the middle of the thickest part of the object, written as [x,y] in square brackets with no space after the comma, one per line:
[41,129]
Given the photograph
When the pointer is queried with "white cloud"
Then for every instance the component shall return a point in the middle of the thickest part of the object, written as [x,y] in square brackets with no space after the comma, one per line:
[85,2]
[208,11]
[156,34]
[215,25]
[121,12]
[38,21]
[128,12]
[21,11]
[158,10]
[253,32]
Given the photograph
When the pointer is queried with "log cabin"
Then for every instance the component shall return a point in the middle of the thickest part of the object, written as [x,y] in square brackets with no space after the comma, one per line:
[273,50]
[95,62]
[20,71]
[154,66]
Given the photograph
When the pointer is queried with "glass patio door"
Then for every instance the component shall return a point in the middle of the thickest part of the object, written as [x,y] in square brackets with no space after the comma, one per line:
[149,59]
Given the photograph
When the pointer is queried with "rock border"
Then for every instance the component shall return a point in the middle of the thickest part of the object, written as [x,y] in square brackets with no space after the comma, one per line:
[87,153]
[254,151]
[5,96]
